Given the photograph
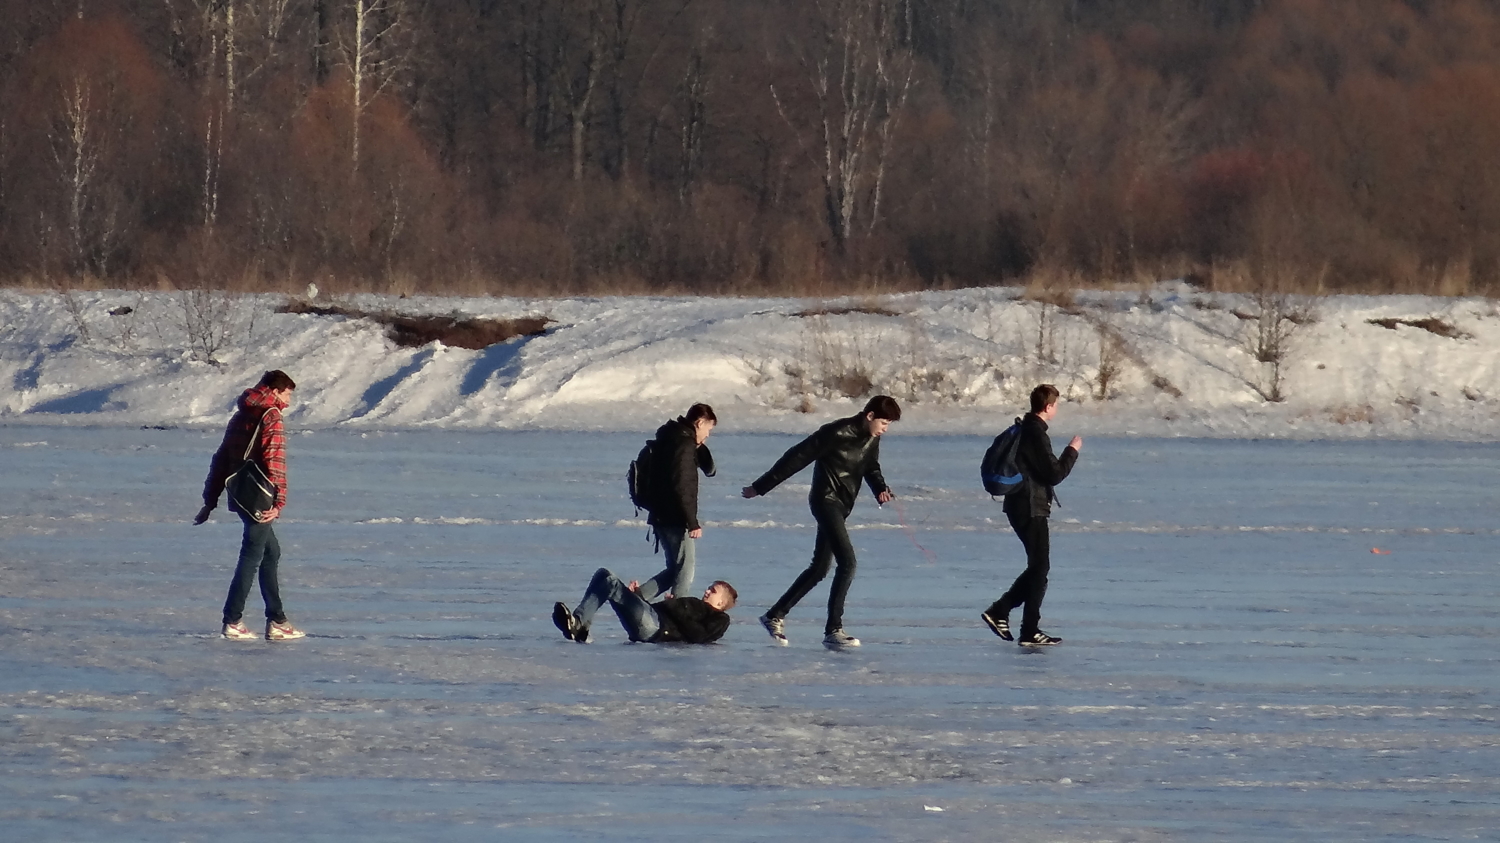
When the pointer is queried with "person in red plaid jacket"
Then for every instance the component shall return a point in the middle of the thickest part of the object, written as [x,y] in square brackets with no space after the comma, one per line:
[259,408]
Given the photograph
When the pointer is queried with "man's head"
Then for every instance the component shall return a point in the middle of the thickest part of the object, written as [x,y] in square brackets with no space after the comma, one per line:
[702,419]
[1044,401]
[721,595]
[280,383]
[879,412]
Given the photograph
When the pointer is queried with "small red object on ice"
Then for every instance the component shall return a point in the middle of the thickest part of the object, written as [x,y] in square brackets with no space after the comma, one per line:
[1379,551]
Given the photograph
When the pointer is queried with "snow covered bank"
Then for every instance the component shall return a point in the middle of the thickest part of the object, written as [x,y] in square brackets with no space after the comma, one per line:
[1174,362]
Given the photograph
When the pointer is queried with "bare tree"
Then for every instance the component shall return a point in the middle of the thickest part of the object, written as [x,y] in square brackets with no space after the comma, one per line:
[858,66]
[581,79]
[236,40]
[78,146]
[369,44]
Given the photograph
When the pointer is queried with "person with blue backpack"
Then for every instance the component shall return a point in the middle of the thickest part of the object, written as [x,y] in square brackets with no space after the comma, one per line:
[1026,450]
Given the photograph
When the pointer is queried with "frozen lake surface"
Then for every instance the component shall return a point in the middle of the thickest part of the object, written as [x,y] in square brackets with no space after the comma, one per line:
[1238,664]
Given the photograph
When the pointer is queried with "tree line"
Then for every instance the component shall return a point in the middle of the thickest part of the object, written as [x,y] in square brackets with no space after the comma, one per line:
[737,146]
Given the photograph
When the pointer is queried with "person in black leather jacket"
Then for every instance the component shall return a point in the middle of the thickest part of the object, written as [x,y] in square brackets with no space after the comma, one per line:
[846,453]
[1028,509]
[681,452]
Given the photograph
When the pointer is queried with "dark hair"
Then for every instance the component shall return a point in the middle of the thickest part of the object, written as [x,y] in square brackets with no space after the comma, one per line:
[884,407]
[700,411]
[1043,397]
[278,380]
[734,596]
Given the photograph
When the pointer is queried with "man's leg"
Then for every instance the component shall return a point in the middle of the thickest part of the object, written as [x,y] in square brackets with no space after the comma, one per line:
[270,586]
[635,614]
[677,577]
[833,530]
[252,551]
[597,594]
[811,576]
[1031,586]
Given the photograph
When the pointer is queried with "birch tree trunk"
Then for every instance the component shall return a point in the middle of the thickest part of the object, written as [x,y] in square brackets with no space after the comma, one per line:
[373,58]
[858,65]
[77,152]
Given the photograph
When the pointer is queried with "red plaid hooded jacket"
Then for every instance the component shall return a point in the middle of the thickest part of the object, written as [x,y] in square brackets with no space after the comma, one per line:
[258,405]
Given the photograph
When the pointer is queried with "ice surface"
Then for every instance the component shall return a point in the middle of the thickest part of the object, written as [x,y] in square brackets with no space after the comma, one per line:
[1238,665]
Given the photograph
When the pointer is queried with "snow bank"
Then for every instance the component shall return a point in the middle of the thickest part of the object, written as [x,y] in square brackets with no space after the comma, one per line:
[1171,362]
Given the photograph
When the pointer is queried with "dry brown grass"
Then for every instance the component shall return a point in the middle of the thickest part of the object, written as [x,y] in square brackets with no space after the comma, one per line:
[870,308]
[410,331]
[1431,324]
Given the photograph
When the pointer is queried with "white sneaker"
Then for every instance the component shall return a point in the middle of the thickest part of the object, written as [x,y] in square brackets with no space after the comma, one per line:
[239,632]
[839,640]
[777,628]
[283,631]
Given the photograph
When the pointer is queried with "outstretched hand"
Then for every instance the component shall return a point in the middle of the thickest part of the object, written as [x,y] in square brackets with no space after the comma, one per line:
[749,492]
[202,515]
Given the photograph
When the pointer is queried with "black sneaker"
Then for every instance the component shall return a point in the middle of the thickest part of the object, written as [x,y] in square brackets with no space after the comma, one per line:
[1039,639]
[563,619]
[1000,626]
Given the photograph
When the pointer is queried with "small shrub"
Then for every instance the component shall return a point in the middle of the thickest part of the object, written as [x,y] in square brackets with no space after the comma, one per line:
[1350,414]
[852,384]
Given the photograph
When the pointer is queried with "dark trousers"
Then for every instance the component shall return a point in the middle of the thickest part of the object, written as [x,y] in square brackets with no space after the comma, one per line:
[259,552]
[1031,586]
[833,545]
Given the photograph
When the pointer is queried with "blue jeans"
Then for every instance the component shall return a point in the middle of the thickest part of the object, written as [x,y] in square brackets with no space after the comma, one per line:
[634,612]
[677,577]
[259,551]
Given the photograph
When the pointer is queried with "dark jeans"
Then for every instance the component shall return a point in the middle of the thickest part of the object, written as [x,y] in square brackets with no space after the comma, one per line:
[1031,586]
[635,614]
[832,546]
[259,551]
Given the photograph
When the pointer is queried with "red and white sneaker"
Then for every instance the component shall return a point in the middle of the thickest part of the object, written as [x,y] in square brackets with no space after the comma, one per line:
[283,631]
[238,632]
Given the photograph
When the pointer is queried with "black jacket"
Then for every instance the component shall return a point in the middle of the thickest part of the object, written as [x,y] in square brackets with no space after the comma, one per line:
[1041,469]
[688,620]
[675,478]
[845,452]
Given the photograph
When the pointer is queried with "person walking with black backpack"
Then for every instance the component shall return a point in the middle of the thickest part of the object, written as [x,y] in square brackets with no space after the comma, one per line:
[1028,509]
[678,453]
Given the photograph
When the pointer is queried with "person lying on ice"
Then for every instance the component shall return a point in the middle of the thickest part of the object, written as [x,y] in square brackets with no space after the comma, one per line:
[686,620]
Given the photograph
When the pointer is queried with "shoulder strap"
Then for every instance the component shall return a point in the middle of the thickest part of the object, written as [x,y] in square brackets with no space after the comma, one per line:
[255,436]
